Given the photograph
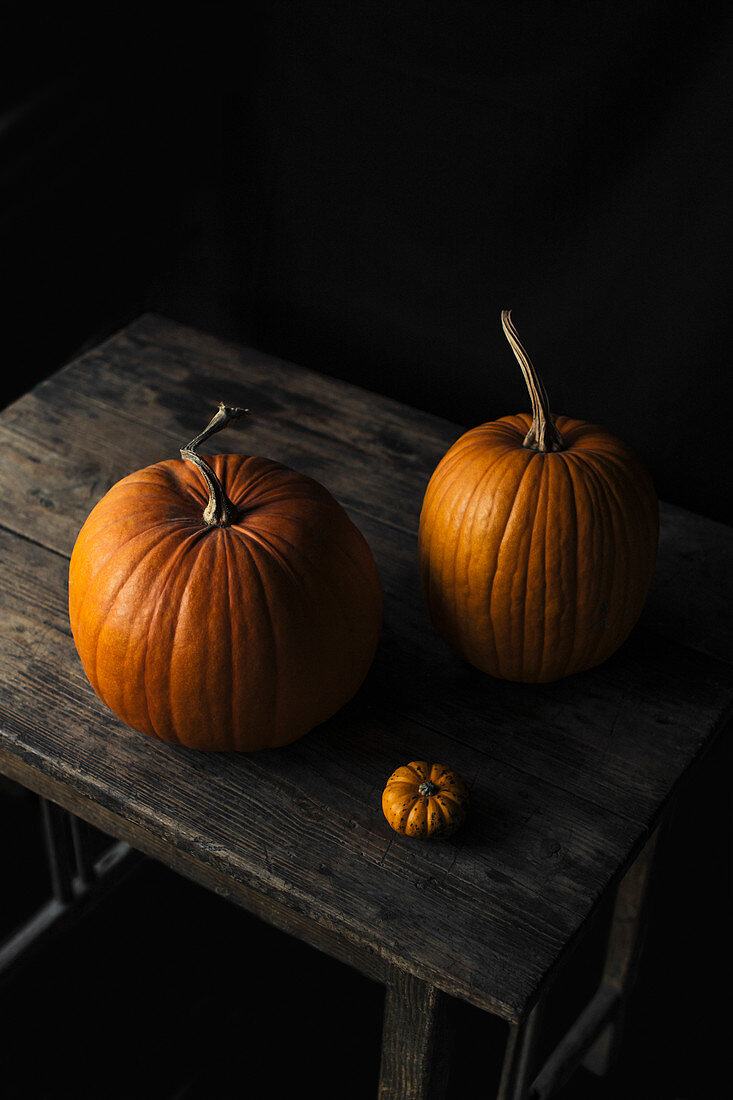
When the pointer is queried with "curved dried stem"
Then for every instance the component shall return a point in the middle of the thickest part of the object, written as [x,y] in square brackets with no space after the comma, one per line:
[543,435]
[219,512]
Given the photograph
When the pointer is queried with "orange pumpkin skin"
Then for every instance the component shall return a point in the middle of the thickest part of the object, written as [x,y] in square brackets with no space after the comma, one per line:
[536,565]
[423,800]
[238,637]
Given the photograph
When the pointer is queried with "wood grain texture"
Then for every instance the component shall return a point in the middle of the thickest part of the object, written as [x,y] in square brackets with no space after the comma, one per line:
[566,779]
[415,1056]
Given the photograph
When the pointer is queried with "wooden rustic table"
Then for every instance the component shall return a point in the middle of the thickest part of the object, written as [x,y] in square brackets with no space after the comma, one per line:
[569,781]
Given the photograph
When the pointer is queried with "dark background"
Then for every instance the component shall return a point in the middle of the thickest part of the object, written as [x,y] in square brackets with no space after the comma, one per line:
[362,188]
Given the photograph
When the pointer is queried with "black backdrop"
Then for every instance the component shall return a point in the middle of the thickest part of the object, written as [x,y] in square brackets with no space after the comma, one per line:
[362,188]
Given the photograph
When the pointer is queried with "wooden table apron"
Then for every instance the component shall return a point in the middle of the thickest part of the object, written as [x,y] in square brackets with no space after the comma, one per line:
[567,780]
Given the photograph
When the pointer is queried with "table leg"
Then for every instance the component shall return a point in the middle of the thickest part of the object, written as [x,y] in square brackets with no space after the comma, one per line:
[519,1059]
[78,882]
[415,1040]
[85,869]
[594,1038]
[625,940]
[59,851]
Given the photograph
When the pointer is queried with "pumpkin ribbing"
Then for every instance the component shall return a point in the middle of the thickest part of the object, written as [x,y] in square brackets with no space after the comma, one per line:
[537,546]
[242,635]
[425,801]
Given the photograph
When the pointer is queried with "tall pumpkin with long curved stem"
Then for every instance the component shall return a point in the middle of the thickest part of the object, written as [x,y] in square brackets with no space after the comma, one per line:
[537,541]
[226,603]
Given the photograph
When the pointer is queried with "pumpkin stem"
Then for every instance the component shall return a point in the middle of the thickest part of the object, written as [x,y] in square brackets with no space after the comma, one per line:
[427,789]
[220,511]
[543,435]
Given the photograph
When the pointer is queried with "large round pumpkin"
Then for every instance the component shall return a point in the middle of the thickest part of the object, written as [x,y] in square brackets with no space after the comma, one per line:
[226,603]
[537,541]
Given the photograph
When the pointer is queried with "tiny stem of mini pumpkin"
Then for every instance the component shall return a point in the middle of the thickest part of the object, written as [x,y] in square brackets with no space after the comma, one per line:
[543,435]
[219,512]
[427,789]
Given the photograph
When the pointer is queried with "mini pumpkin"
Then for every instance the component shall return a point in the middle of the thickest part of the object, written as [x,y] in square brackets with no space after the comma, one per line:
[223,604]
[425,800]
[537,541]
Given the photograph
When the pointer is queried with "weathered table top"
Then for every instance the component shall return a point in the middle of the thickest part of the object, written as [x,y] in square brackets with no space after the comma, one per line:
[567,779]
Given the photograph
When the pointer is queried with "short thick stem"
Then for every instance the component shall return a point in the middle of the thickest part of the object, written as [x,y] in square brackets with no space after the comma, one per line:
[543,435]
[219,512]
